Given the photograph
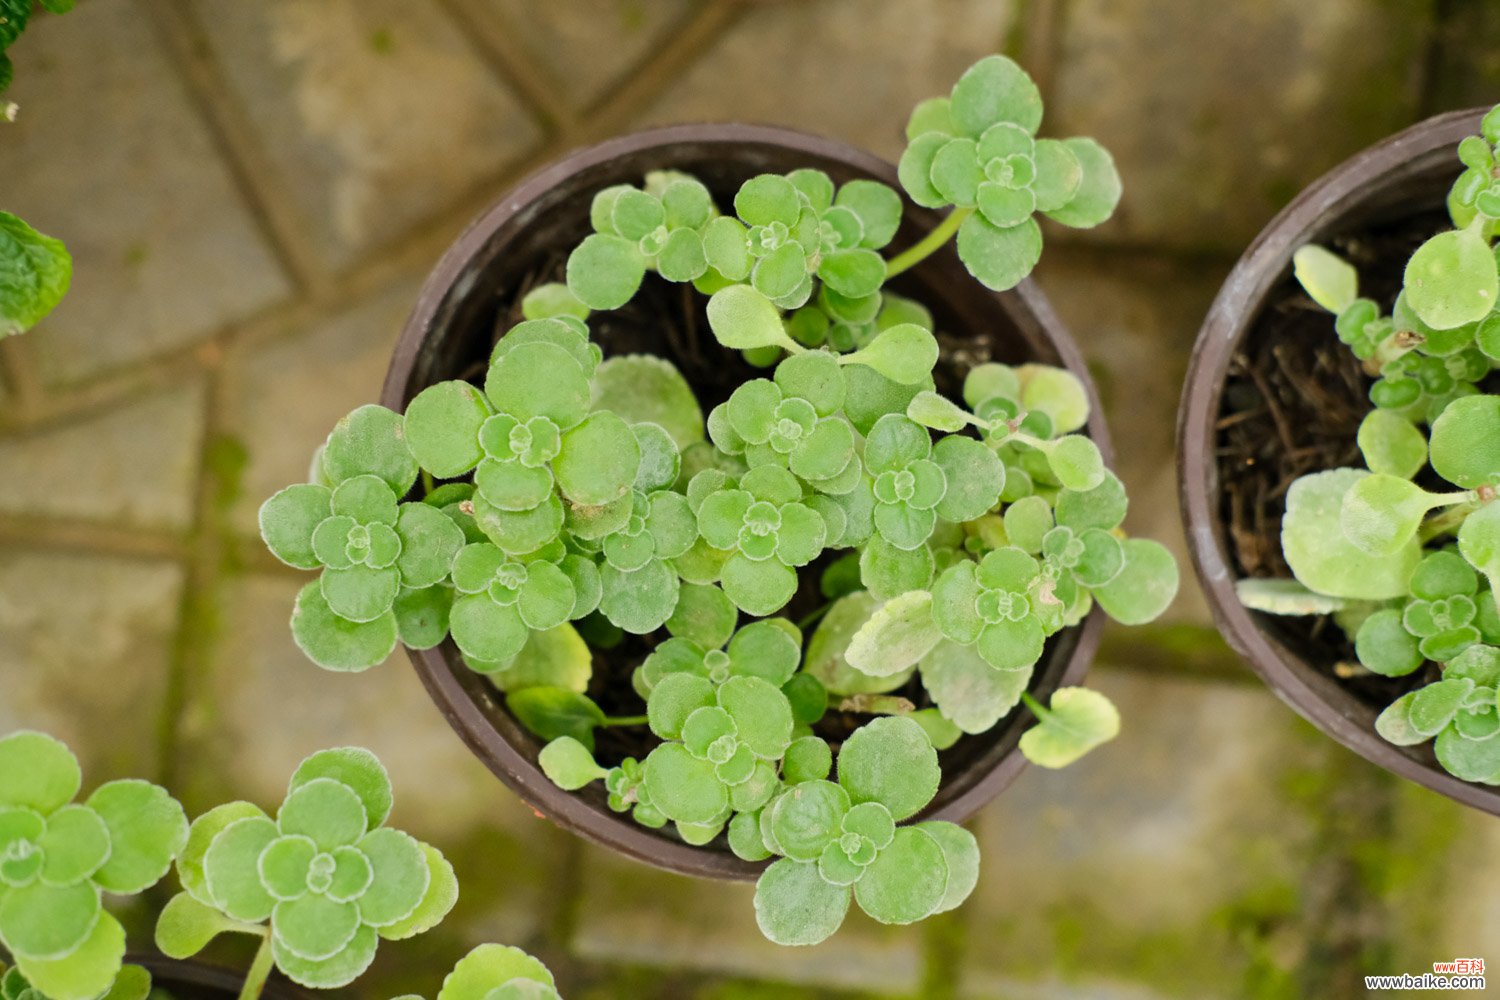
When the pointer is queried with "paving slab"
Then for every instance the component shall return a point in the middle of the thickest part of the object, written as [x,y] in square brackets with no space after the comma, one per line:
[587,47]
[282,398]
[135,465]
[635,915]
[1218,113]
[850,69]
[85,644]
[373,119]
[109,155]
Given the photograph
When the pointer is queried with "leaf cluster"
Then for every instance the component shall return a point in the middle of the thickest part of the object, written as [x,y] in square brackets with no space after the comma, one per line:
[1406,552]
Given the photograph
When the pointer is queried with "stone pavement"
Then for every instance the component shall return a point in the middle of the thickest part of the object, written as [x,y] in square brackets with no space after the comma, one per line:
[253,191]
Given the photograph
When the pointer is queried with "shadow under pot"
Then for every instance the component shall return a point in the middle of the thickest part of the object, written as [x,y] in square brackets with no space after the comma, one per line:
[473,295]
[1272,394]
[184,980]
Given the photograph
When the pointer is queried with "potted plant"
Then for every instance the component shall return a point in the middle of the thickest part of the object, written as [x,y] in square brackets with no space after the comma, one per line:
[687,486]
[320,884]
[1340,443]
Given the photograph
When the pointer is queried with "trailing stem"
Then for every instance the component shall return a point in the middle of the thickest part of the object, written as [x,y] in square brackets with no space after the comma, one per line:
[929,244]
[260,970]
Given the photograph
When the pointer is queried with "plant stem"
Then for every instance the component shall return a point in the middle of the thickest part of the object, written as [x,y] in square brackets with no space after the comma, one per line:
[427,484]
[814,616]
[1447,522]
[929,244]
[1035,706]
[626,720]
[260,970]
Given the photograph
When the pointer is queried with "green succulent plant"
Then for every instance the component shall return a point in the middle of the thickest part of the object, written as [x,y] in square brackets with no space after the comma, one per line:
[1412,572]
[59,857]
[131,983]
[320,883]
[568,502]
[977,151]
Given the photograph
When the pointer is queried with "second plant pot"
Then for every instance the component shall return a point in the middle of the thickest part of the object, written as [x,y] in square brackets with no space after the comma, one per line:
[473,294]
[1272,394]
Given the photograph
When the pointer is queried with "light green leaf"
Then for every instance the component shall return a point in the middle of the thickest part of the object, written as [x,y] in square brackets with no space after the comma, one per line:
[907,881]
[826,650]
[1056,392]
[371,441]
[442,427]
[186,926]
[336,643]
[551,712]
[904,353]
[1328,278]
[896,636]
[147,830]
[556,657]
[604,271]
[890,761]
[742,318]
[1391,444]
[1144,588]
[993,90]
[641,388]
[488,967]
[357,769]
[1099,191]
[1285,597]
[967,690]
[569,764]
[436,903]
[1466,442]
[338,970]
[37,772]
[1078,721]
[1452,280]
[85,973]
[1321,557]
[999,258]
[795,906]
[34,274]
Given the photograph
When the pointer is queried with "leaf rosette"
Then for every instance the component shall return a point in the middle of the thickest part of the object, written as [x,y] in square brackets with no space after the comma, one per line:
[328,875]
[977,150]
[839,841]
[57,858]
[998,605]
[795,422]
[528,436]
[769,531]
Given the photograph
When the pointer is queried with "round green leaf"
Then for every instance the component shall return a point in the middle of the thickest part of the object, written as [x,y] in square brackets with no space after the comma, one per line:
[74,846]
[675,697]
[1391,444]
[1144,587]
[147,830]
[761,712]
[915,169]
[794,905]
[999,258]
[759,588]
[993,90]
[604,271]
[487,967]
[599,460]
[547,597]
[1466,442]
[641,388]
[1320,557]
[37,772]
[437,901]
[767,198]
[705,615]
[808,818]
[336,643]
[683,787]
[552,712]
[569,764]
[1381,514]
[907,881]
[327,811]
[641,600]
[855,273]
[230,873]
[1451,280]
[48,922]
[87,971]
[888,572]
[961,853]
[1059,174]
[361,594]
[975,477]
[337,970]
[1098,192]
[186,926]
[1328,278]
[357,769]
[288,519]
[968,691]
[422,616]
[400,879]
[314,927]
[200,835]
[371,441]
[442,427]
[890,761]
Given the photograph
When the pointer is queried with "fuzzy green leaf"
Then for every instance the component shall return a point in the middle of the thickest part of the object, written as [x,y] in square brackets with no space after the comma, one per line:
[907,881]
[37,772]
[35,271]
[1466,442]
[1452,280]
[147,830]
[999,258]
[1321,557]
[896,636]
[551,713]
[742,318]
[795,906]
[1078,721]
[890,761]
[1328,278]
[604,271]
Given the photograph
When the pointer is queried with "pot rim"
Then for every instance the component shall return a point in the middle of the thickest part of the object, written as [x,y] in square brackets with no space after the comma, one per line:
[1317,698]
[1026,303]
[209,976]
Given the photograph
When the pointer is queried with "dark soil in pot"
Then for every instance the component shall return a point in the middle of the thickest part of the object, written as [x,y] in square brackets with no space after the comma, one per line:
[474,295]
[1272,394]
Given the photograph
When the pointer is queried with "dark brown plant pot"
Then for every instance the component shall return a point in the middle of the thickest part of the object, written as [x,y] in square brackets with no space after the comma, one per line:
[197,981]
[1377,204]
[522,239]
